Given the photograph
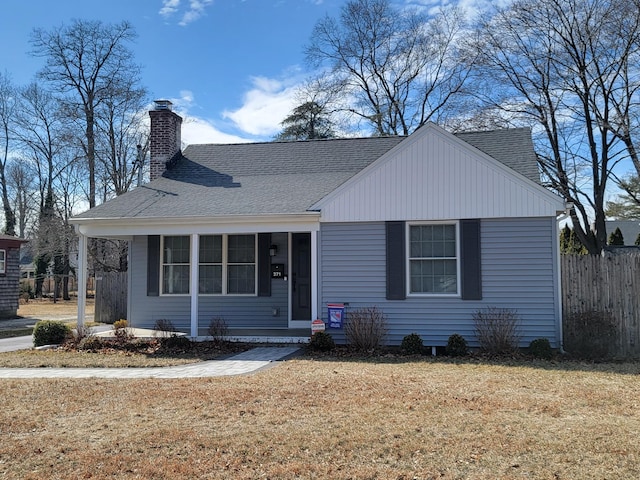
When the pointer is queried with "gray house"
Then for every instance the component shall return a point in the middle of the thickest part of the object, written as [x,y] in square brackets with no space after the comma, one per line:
[9,275]
[429,228]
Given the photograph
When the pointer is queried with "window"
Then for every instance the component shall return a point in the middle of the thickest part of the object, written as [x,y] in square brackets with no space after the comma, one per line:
[227,264]
[433,259]
[3,262]
[175,265]
[241,267]
[210,258]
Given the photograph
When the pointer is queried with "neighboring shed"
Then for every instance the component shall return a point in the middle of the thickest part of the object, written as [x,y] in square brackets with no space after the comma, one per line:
[9,275]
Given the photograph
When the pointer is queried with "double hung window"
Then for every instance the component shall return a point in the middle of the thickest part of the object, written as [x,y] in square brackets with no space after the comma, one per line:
[433,259]
[226,265]
[3,262]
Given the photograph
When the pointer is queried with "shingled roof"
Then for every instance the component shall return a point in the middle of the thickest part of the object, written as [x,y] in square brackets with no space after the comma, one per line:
[280,177]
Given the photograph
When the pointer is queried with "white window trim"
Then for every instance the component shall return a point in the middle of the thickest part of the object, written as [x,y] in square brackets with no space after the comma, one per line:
[3,262]
[162,264]
[225,265]
[458,293]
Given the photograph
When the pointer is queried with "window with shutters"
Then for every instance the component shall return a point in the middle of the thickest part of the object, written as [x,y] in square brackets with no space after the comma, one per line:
[227,265]
[433,259]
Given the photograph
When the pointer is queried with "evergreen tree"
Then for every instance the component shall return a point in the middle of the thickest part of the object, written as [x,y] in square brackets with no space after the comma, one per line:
[569,242]
[306,122]
[616,237]
[638,240]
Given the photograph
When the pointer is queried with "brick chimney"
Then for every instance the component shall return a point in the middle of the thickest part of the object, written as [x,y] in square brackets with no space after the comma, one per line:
[165,141]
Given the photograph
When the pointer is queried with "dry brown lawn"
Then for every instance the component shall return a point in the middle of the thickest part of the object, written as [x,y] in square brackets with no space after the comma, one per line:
[329,419]
[62,308]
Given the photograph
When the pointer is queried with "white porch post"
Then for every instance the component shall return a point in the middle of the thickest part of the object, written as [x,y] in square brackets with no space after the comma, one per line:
[195,257]
[314,275]
[82,278]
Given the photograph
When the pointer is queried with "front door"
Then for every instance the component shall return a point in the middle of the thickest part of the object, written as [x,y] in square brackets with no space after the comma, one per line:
[301,276]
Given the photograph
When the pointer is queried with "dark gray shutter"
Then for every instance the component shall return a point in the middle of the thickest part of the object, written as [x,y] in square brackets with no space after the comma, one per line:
[396,261]
[264,265]
[470,261]
[153,265]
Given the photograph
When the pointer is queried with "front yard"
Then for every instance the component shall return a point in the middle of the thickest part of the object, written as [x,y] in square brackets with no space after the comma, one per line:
[328,418]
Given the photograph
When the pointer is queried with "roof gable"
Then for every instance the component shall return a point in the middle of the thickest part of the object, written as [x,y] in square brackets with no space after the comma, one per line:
[436,175]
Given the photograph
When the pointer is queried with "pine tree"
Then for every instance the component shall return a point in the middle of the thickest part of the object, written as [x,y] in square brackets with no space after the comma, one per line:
[616,237]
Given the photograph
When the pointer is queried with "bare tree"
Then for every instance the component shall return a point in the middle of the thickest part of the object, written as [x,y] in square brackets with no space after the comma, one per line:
[555,65]
[122,129]
[395,68]
[88,62]
[8,103]
[20,177]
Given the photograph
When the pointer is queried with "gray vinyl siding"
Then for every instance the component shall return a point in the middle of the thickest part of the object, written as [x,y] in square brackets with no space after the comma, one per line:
[236,310]
[517,261]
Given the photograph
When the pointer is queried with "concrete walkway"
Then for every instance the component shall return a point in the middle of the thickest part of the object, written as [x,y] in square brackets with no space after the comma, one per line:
[242,363]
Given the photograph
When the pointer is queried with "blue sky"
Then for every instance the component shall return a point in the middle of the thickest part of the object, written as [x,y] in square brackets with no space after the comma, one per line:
[229,66]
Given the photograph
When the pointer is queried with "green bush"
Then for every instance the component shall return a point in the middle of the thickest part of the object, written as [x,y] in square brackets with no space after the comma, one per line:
[457,346]
[541,348]
[176,342]
[321,342]
[412,344]
[48,332]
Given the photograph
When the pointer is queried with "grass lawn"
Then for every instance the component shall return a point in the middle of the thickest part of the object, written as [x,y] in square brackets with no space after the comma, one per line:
[332,419]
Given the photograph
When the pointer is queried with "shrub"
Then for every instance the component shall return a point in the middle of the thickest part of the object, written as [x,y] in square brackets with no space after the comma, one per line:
[541,348]
[120,324]
[321,342]
[78,335]
[218,329]
[366,328]
[48,332]
[121,332]
[497,330]
[163,328]
[457,346]
[412,344]
[176,342]
[590,335]
[91,343]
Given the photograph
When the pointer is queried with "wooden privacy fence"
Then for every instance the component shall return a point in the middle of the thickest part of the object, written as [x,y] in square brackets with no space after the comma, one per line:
[111,296]
[609,284]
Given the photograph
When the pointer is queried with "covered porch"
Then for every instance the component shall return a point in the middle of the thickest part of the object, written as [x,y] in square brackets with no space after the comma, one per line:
[257,276]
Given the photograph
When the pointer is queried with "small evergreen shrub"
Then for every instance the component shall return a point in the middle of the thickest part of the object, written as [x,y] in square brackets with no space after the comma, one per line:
[412,344]
[457,346]
[48,332]
[366,328]
[176,342]
[321,342]
[497,330]
[541,348]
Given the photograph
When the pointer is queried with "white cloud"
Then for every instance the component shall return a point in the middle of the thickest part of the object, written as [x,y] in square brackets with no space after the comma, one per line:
[195,129]
[169,7]
[194,10]
[264,106]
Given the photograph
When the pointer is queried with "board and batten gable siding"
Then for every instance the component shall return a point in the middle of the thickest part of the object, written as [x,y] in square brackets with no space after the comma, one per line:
[517,264]
[238,311]
[432,174]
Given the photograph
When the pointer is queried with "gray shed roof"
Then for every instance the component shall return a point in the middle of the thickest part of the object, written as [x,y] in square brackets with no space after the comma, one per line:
[279,177]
